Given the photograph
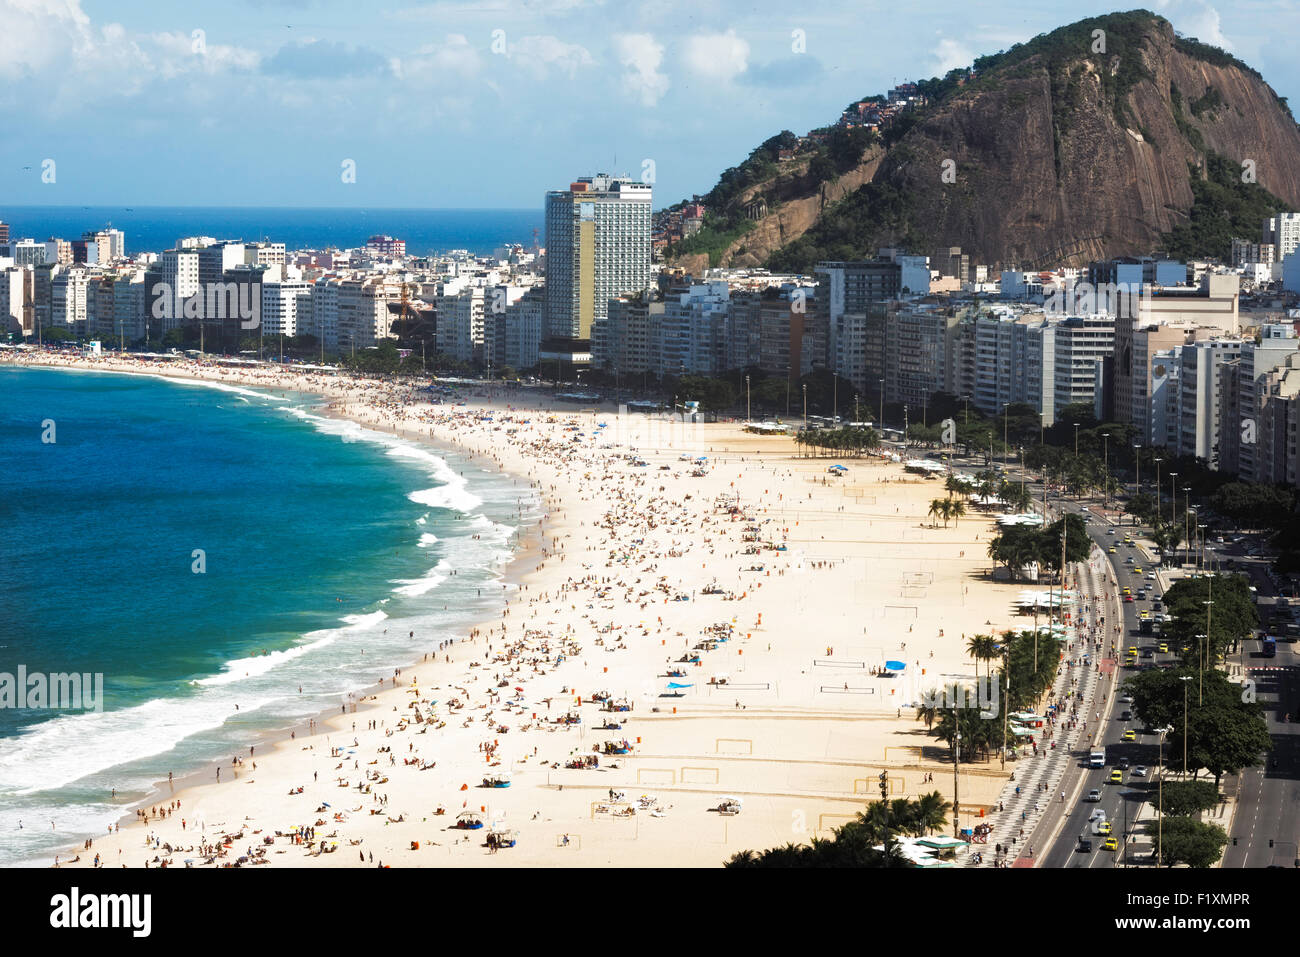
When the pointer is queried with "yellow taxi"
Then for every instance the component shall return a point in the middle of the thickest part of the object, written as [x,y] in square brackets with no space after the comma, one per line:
[1137,570]
[1129,736]
[1111,550]
[1126,590]
[1104,828]
[1111,844]
[1132,650]
[1128,540]
[1164,647]
[1117,776]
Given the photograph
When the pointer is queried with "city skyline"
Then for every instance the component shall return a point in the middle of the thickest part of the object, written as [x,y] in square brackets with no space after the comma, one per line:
[446,106]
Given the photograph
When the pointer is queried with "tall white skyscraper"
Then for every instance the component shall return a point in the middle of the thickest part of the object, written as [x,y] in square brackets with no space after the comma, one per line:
[1283,231]
[597,249]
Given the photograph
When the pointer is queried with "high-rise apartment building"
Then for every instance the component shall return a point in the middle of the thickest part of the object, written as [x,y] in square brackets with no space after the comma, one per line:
[846,291]
[1283,232]
[597,249]
[381,245]
[286,307]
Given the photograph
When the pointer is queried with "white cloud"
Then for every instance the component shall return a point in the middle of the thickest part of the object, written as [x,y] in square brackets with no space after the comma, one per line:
[716,56]
[641,56]
[1195,18]
[950,54]
[453,57]
[174,54]
[537,53]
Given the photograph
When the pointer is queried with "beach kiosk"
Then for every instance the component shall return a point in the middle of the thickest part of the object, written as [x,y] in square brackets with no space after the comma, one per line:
[729,806]
[497,779]
[468,821]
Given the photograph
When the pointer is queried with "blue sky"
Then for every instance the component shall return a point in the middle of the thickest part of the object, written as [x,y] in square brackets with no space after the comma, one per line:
[477,104]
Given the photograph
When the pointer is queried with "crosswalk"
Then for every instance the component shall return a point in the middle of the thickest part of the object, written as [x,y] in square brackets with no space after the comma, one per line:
[1038,778]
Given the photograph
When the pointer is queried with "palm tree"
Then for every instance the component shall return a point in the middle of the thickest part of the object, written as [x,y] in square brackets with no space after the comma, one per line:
[931,811]
[927,712]
[937,508]
[958,510]
[982,648]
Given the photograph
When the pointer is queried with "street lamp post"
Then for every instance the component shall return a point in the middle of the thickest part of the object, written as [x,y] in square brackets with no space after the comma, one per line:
[1006,410]
[748,417]
[1185,679]
[1137,468]
[1187,524]
[805,406]
[1209,608]
[882,406]
[1076,438]
[956,753]
[1160,798]
[1158,460]
[1106,465]
[1123,840]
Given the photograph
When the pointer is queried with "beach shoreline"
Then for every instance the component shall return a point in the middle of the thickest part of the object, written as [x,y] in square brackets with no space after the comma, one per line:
[805,740]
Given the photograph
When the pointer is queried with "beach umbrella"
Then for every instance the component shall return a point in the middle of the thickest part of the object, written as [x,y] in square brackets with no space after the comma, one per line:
[895,665]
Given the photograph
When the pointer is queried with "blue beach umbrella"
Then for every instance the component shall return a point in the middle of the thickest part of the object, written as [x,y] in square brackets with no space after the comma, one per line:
[895,665]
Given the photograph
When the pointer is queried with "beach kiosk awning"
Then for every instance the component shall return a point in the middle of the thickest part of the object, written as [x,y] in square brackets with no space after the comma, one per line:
[895,665]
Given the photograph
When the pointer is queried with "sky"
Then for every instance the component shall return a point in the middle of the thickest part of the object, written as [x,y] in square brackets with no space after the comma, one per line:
[478,103]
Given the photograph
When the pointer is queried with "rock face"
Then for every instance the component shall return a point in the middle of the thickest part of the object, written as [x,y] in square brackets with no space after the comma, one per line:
[1041,182]
[1062,154]
[788,220]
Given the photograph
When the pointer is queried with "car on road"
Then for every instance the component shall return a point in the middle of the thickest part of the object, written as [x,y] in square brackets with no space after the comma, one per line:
[1093,795]
[1111,550]
[1126,699]
[1128,599]
[1140,771]
[1110,531]
[1122,764]
[1137,570]
[1130,735]
[1097,815]
[1151,576]
[1110,844]
[1084,508]
[1164,647]
[1085,843]
[1128,559]
[1117,777]
[1132,650]
[1126,715]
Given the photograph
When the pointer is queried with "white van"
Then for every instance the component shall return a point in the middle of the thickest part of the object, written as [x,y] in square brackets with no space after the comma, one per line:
[1097,759]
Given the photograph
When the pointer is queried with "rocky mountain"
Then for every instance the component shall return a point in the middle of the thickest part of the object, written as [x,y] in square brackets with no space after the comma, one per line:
[1095,140]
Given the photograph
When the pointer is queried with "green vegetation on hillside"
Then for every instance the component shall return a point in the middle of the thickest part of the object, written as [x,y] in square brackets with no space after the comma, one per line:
[1223,207]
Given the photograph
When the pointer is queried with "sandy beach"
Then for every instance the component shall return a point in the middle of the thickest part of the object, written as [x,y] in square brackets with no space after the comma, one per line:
[669,554]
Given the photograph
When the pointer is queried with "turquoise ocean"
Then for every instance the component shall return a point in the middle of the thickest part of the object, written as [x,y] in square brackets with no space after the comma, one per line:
[212,550]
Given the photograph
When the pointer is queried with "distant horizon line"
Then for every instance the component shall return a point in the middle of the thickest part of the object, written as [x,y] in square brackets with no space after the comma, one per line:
[504,209]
